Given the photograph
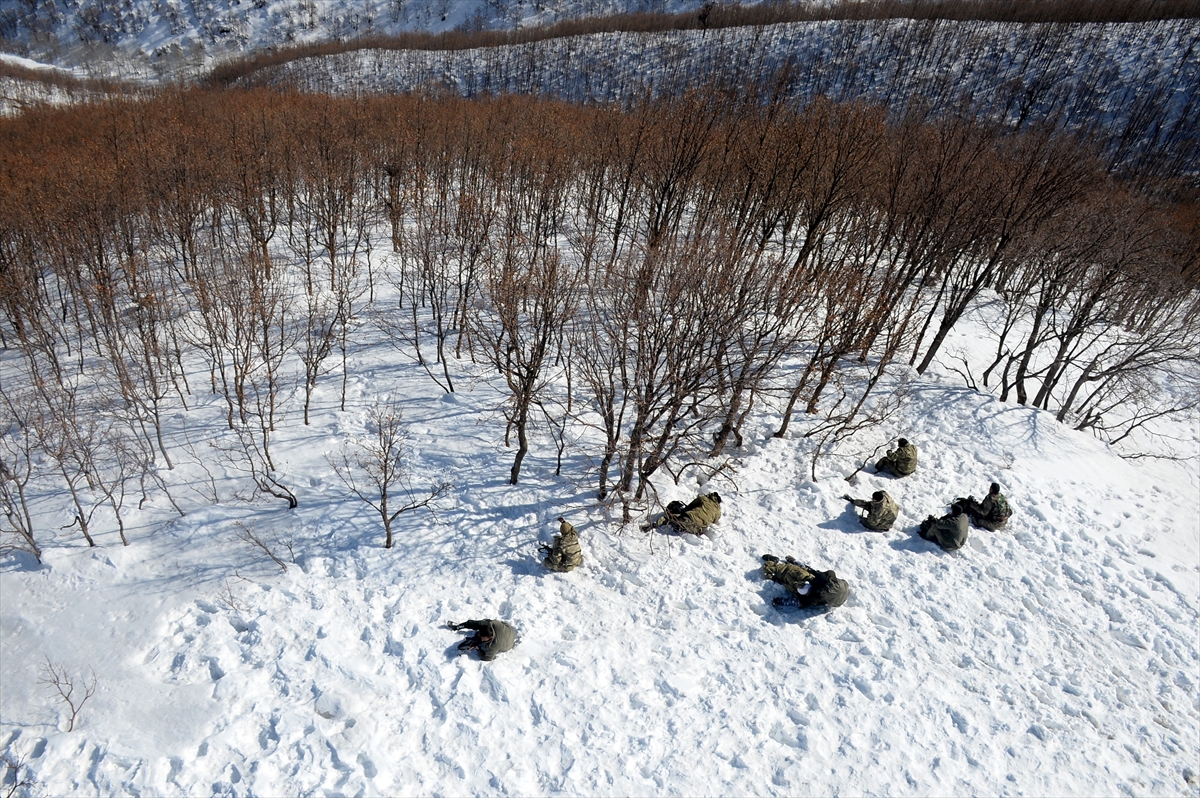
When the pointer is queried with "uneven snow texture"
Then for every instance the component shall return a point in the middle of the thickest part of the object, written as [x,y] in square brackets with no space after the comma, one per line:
[1056,657]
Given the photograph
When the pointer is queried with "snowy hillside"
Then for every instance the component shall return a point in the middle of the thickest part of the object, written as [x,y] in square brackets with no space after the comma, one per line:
[137,37]
[1059,656]
[239,647]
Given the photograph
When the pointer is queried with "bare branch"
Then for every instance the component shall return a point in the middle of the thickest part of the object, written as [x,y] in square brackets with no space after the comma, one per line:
[63,684]
[248,535]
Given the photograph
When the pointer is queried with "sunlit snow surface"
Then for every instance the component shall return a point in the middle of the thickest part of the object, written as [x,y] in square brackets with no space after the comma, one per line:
[1059,656]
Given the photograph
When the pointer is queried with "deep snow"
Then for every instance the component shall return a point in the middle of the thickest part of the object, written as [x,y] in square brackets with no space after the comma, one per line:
[1059,656]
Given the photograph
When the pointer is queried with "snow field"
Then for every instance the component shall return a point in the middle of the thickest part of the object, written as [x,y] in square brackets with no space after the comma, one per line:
[1058,656]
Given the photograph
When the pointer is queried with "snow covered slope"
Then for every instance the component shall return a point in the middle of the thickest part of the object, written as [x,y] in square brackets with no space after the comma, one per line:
[1059,656]
[137,36]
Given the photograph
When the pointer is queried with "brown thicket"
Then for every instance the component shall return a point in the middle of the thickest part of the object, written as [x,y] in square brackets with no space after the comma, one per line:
[675,266]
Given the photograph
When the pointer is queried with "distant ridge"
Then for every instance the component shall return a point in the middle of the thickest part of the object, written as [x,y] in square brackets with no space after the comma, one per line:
[713,16]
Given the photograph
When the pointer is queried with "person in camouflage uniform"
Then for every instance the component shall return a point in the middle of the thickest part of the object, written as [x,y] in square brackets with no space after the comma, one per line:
[807,587]
[699,515]
[491,637]
[899,462]
[564,554]
[991,513]
[881,510]
[949,531]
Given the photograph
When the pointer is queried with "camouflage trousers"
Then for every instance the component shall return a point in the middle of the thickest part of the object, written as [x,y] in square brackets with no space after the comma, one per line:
[793,576]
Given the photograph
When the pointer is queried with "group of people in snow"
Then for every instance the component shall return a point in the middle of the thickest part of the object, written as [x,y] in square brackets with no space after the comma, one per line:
[948,531]
[807,586]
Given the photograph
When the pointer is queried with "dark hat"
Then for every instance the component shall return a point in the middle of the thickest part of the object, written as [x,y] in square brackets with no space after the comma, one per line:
[877,495]
[995,488]
[903,441]
[836,591]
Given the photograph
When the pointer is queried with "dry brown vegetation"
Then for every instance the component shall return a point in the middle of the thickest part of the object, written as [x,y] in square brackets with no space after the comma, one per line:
[68,82]
[671,263]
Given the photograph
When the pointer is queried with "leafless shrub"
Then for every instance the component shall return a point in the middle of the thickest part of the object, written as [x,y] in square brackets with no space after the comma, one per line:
[63,684]
[229,598]
[264,543]
[248,456]
[18,446]
[382,476]
[17,775]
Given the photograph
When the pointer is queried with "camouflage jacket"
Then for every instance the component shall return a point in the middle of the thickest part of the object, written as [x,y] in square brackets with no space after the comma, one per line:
[880,514]
[994,508]
[565,552]
[704,511]
[904,460]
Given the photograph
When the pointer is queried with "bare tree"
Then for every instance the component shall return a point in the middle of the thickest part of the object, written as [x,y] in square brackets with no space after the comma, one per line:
[529,289]
[326,312]
[64,686]
[1033,177]
[373,469]
[18,458]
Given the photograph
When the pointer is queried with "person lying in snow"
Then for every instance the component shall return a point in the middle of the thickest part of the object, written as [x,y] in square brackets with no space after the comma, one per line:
[699,515]
[899,462]
[564,553]
[991,513]
[881,510]
[949,531]
[491,637]
[808,587]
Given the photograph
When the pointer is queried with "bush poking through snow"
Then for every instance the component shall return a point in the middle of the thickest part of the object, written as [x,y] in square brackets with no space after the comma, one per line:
[64,685]
[261,542]
[13,780]
[379,457]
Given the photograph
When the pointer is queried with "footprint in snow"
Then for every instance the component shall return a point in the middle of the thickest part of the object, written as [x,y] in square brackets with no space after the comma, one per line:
[864,687]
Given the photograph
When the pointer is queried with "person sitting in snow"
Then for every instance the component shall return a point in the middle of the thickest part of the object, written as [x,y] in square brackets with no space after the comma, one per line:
[807,587]
[881,510]
[699,515]
[991,513]
[899,462]
[564,553]
[491,637]
[949,531]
